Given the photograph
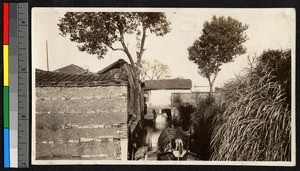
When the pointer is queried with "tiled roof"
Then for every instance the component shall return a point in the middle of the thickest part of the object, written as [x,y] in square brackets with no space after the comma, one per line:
[71,69]
[54,79]
[168,84]
[118,64]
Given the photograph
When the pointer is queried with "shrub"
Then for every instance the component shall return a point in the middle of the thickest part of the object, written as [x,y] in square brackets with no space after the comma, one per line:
[185,110]
[278,63]
[201,121]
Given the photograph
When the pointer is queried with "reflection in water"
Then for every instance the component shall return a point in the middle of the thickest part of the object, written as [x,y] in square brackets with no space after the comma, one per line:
[151,136]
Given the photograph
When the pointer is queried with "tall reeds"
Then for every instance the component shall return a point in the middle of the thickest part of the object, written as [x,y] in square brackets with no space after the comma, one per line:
[256,123]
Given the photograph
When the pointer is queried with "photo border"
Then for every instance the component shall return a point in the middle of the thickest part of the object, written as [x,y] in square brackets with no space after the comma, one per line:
[131,162]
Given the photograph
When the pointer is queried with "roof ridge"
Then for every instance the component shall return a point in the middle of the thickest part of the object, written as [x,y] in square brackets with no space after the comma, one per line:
[78,66]
[119,61]
[52,78]
[69,68]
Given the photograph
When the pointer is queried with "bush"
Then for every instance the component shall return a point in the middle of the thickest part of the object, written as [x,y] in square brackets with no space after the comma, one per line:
[185,110]
[278,63]
[201,121]
[256,123]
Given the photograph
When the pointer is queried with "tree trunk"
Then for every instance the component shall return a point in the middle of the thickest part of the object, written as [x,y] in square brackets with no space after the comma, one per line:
[210,88]
[211,83]
[135,87]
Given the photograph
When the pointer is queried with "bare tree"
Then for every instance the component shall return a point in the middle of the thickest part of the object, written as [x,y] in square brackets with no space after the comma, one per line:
[153,70]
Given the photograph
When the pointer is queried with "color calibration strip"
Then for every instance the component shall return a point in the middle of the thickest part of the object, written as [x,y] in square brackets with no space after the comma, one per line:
[6,84]
[15,81]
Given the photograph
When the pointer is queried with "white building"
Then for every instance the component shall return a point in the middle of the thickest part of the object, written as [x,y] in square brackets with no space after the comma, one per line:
[158,93]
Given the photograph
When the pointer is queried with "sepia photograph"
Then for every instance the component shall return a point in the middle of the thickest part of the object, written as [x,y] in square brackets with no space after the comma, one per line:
[163,86]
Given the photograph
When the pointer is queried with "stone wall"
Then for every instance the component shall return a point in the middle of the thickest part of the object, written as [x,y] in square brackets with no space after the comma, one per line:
[80,122]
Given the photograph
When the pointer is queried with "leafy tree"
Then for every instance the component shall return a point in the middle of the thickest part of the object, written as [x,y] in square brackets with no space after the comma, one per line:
[153,70]
[221,41]
[96,32]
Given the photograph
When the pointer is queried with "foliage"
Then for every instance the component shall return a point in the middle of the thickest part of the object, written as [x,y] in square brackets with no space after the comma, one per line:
[221,41]
[256,124]
[153,70]
[177,101]
[279,64]
[186,109]
[97,31]
[201,121]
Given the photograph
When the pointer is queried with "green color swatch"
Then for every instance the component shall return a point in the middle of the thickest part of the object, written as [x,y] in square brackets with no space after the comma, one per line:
[6,106]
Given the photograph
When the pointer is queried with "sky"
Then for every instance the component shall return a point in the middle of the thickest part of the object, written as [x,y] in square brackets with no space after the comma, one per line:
[268,29]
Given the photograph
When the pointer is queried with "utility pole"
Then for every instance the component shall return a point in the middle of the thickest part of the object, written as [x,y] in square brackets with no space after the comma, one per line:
[47,55]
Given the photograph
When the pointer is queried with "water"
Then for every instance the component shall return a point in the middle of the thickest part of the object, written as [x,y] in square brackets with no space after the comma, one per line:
[151,136]
[150,140]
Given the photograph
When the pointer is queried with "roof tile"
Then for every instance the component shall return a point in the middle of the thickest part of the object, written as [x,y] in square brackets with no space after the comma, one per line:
[53,78]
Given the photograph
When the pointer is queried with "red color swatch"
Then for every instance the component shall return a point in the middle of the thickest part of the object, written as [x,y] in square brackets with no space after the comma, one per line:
[5,23]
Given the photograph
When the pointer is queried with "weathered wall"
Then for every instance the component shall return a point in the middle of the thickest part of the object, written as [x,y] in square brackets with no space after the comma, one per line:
[80,122]
[160,99]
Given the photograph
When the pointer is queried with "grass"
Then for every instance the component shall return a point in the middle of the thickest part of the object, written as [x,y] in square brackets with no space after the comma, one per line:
[256,123]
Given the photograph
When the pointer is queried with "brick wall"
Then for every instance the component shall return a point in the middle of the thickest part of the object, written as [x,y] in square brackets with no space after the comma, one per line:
[80,122]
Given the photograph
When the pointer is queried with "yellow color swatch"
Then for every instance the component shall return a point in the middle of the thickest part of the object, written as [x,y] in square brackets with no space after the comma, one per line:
[5,65]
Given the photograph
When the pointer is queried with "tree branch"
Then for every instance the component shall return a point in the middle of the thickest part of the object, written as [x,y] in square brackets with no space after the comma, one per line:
[143,42]
[154,70]
[215,76]
[140,53]
[160,73]
[209,81]
[148,76]
[115,49]
[127,51]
